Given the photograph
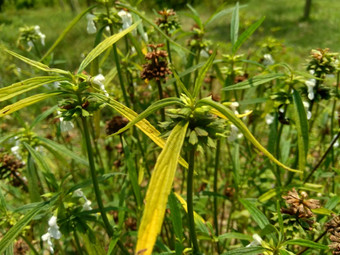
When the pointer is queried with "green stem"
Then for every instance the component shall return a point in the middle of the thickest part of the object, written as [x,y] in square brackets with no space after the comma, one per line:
[97,192]
[190,180]
[76,238]
[170,60]
[160,91]
[217,157]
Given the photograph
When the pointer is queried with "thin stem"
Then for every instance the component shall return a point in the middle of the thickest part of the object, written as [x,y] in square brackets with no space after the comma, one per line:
[97,192]
[170,60]
[190,180]
[322,158]
[217,157]
[160,91]
[76,238]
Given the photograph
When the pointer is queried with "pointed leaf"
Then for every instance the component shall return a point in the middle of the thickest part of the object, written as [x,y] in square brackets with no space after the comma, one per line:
[245,35]
[65,32]
[234,25]
[255,81]
[36,64]
[108,42]
[246,251]
[243,128]
[159,190]
[307,243]
[26,85]
[302,129]
[26,102]
[255,213]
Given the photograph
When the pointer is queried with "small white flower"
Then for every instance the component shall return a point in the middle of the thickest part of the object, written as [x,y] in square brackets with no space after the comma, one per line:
[41,35]
[245,112]
[65,126]
[15,150]
[30,44]
[311,71]
[107,28]
[234,133]
[78,193]
[268,60]
[52,232]
[309,113]
[257,241]
[99,79]
[87,205]
[91,27]
[269,119]
[204,53]
[126,19]
[233,107]
[310,85]
[336,144]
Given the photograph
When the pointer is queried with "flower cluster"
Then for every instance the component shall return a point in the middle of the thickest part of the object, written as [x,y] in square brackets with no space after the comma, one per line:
[115,124]
[9,169]
[333,227]
[30,35]
[157,68]
[168,22]
[52,232]
[87,204]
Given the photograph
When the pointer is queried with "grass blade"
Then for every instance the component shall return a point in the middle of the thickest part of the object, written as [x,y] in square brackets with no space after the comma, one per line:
[234,25]
[159,190]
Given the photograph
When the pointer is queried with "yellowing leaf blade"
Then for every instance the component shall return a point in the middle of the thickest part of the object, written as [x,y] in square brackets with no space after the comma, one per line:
[159,190]
[25,102]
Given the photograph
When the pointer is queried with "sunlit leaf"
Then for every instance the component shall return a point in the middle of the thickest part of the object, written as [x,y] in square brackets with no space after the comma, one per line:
[159,190]
[254,81]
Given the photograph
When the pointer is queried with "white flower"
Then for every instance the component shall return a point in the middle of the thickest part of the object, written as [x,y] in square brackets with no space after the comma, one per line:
[107,28]
[268,60]
[204,53]
[78,193]
[145,37]
[15,150]
[336,144]
[269,119]
[87,205]
[309,113]
[310,85]
[30,44]
[91,27]
[99,79]
[233,107]
[41,35]
[65,126]
[234,133]
[126,19]
[52,232]
[257,241]
[245,112]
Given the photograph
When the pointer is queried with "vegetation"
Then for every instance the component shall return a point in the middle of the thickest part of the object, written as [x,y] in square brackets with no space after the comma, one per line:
[130,132]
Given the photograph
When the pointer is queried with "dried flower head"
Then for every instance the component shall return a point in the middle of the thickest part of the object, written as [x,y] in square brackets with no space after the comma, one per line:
[158,67]
[333,227]
[299,205]
[168,22]
[115,124]
[9,169]
[20,247]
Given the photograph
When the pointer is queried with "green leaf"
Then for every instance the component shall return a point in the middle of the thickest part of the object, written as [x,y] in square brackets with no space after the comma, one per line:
[26,85]
[176,220]
[26,102]
[246,251]
[65,32]
[202,73]
[132,173]
[42,165]
[243,128]
[44,115]
[323,211]
[49,144]
[246,34]
[37,64]
[307,243]
[159,189]
[18,228]
[302,129]
[255,81]
[100,48]
[234,25]
[195,16]
[332,203]
[219,14]
[255,213]
[234,235]
[268,195]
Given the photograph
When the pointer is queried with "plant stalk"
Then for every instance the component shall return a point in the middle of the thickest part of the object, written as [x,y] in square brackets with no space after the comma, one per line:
[217,158]
[190,181]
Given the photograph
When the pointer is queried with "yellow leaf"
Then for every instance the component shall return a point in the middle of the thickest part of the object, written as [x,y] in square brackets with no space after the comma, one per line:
[159,190]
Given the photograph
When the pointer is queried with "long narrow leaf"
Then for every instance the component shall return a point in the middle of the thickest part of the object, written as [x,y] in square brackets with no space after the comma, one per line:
[202,73]
[307,243]
[302,129]
[26,85]
[159,190]
[246,34]
[246,251]
[243,128]
[234,25]
[255,81]
[36,63]
[255,213]
[108,42]
[66,30]
[17,228]
[26,102]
